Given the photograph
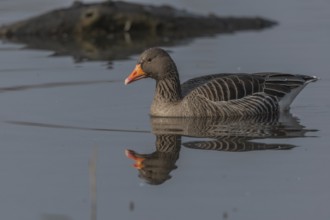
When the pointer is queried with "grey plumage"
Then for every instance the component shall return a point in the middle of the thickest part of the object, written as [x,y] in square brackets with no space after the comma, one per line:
[221,95]
[235,144]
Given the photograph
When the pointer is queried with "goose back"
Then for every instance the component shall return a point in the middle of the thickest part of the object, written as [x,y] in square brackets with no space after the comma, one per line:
[250,93]
[223,87]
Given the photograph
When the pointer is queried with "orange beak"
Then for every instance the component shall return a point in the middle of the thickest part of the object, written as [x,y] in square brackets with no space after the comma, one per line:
[136,74]
[138,160]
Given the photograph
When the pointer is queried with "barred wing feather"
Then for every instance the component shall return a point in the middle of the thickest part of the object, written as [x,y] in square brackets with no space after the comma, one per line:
[263,92]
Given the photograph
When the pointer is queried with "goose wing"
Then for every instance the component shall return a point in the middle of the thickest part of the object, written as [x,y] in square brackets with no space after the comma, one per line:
[224,87]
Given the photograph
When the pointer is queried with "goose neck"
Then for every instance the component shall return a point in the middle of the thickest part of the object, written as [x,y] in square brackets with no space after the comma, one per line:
[168,90]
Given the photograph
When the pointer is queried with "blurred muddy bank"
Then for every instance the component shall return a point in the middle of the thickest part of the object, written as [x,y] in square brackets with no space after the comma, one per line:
[116,30]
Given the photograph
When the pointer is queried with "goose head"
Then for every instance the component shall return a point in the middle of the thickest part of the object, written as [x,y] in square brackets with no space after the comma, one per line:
[153,63]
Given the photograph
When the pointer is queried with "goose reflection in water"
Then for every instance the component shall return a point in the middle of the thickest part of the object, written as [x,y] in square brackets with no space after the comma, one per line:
[234,135]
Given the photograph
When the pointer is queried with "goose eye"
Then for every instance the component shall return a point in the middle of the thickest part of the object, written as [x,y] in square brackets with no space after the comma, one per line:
[149,60]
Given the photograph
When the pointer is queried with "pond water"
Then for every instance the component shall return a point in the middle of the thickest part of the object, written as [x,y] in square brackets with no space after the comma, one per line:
[66,125]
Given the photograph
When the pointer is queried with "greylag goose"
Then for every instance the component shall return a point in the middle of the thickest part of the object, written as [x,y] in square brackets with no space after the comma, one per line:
[217,95]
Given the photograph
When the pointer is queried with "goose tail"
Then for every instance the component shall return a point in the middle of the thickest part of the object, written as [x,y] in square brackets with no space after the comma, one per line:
[287,99]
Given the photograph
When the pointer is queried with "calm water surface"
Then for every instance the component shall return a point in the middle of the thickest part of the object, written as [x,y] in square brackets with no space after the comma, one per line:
[65,127]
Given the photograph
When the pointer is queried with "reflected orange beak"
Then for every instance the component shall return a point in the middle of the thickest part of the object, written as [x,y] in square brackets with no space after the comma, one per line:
[138,160]
[136,74]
